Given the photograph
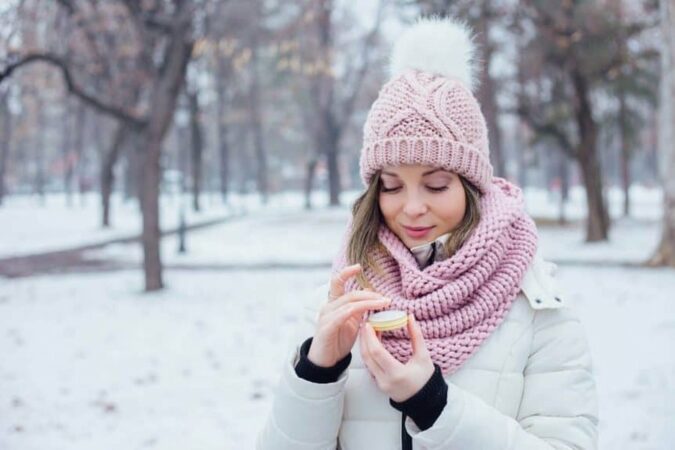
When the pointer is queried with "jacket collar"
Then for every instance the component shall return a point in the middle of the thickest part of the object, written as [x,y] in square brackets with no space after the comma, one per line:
[433,251]
[540,286]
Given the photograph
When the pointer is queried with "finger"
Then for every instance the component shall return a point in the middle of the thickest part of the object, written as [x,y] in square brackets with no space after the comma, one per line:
[416,336]
[340,315]
[365,357]
[373,367]
[380,355]
[354,296]
[337,283]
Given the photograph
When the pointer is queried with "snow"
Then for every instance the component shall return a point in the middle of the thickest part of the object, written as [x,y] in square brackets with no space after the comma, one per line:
[647,203]
[29,226]
[89,361]
[629,317]
[55,225]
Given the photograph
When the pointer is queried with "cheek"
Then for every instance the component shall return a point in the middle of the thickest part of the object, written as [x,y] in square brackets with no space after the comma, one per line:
[388,206]
[452,207]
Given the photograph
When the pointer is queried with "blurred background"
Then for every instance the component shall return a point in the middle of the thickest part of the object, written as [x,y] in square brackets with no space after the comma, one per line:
[176,176]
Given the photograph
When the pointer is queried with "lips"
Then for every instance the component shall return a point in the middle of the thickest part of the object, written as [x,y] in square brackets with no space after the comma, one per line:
[417,228]
[416,232]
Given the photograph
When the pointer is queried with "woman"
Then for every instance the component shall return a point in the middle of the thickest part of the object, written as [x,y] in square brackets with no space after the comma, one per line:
[491,357]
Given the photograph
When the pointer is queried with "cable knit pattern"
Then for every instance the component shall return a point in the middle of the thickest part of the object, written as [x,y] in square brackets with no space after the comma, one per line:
[424,118]
[460,300]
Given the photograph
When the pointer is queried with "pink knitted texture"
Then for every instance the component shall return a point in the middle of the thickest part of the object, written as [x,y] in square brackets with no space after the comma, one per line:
[428,119]
[460,300]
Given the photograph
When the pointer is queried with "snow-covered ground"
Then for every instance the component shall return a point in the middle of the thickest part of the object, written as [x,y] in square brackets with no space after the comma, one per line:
[29,226]
[91,362]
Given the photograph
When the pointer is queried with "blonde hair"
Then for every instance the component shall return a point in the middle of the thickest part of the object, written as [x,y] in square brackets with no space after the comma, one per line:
[367,217]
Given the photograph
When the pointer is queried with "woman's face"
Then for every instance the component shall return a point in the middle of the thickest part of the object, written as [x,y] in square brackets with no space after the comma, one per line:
[421,203]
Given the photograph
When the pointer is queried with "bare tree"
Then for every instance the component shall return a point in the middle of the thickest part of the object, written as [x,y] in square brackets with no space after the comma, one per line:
[665,253]
[107,171]
[160,40]
[256,121]
[223,73]
[5,138]
[328,103]
[481,16]
[196,146]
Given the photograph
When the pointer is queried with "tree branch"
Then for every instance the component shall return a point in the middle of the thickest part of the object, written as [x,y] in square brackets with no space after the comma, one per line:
[68,5]
[348,105]
[164,23]
[547,128]
[73,88]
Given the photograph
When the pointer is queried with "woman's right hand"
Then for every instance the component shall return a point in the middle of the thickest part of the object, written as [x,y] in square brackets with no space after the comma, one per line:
[340,319]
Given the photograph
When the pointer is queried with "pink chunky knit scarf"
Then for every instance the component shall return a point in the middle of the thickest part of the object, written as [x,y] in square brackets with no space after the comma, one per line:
[458,301]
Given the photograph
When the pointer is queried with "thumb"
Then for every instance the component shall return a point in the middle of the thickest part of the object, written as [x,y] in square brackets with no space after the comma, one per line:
[337,283]
[416,336]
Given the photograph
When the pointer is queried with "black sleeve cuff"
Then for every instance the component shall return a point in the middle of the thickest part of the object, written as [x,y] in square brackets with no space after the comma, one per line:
[309,371]
[427,404]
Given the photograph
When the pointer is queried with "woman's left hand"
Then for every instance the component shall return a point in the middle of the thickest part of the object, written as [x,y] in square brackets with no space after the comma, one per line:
[399,381]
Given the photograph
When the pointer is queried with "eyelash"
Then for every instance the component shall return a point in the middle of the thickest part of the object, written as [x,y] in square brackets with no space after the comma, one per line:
[441,189]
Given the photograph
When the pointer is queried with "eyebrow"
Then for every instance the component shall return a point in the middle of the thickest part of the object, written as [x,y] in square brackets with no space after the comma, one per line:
[429,172]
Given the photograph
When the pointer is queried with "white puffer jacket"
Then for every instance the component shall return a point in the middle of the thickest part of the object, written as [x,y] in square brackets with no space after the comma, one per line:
[529,386]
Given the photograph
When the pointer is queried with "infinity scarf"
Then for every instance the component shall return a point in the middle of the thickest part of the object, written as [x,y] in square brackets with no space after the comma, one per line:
[460,300]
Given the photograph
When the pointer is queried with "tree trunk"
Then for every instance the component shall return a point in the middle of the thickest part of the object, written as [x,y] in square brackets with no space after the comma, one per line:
[39,176]
[152,265]
[108,172]
[625,153]
[132,169]
[328,132]
[331,150]
[5,141]
[78,146]
[665,253]
[66,155]
[597,223]
[563,174]
[223,160]
[222,126]
[163,105]
[624,159]
[309,182]
[197,147]
[245,170]
[256,128]
[486,90]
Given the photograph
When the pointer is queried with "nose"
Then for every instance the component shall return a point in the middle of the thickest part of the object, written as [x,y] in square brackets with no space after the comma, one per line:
[415,205]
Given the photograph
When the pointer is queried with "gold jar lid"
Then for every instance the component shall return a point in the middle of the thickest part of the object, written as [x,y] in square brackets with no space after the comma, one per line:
[388,320]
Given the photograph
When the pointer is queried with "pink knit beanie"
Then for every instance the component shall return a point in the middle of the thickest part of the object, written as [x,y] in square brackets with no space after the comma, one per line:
[426,114]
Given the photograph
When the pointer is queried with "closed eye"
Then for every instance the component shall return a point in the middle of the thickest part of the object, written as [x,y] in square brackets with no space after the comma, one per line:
[385,190]
[432,189]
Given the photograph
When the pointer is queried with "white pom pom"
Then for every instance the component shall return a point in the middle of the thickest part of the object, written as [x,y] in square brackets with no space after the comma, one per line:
[443,46]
